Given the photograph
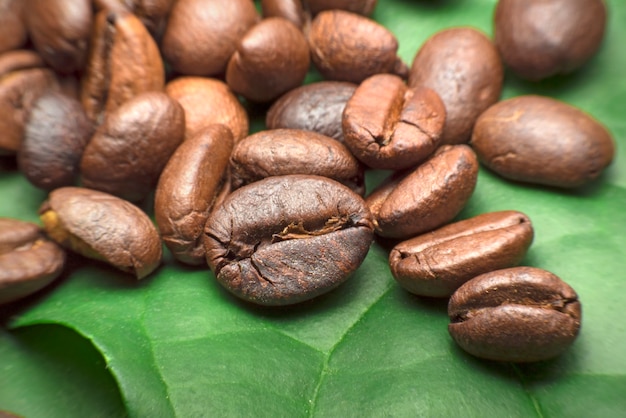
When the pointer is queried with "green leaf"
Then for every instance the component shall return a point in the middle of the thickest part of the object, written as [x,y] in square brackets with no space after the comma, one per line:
[178,344]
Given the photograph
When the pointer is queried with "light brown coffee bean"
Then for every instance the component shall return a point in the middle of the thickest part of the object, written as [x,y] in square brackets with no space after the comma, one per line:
[541,140]
[438,262]
[102,227]
[388,125]
[152,13]
[28,260]
[463,66]
[194,182]
[19,59]
[520,314]
[13,32]
[292,10]
[427,197]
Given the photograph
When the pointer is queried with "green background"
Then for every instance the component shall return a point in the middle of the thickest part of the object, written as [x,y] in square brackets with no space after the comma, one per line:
[99,344]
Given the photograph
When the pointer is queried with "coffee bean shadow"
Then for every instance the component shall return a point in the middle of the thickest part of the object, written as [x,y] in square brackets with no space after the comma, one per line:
[431,305]
[8,164]
[431,4]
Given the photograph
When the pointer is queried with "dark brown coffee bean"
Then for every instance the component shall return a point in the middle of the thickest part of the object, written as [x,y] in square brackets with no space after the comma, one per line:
[102,227]
[463,66]
[438,262]
[363,7]
[286,239]
[194,181]
[28,261]
[541,140]
[208,101]
[19,59]
[313,107]
[13,32]
[57,132]
[349,47]
[387,125]
[201,35]
[271,59]
[427,197]
[124,61]
[291,10]
[520,314]
[60,31]
[129,150]
[279,152]
[541,38]
[152,13]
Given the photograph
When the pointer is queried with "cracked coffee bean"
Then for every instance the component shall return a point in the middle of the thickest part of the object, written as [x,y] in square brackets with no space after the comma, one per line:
[287,239]
[520,314]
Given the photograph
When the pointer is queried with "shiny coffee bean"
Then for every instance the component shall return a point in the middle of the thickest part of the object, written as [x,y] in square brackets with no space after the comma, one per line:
[463,66]
[520,314]
[194,182]
[28,260]
[102,227]
[292,10]
[438,262]
[287,239]
[387,125]
[541,140]
[13,31]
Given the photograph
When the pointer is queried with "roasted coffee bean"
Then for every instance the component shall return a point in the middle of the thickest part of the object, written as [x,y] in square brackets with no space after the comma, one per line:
[28,261]
[387,125]
[18,92]
[541,140]
[316,107]
[19,59]
[286,239]
[208,101]
[541,38]
[13,32]
[280,152]
[60,31]
[463,66]
[520,314]
[194,181]
[291,10]
[124,61]
[152,13]
[272,58]
[363,7]
[438,262]
[201,35]
[129,150]
[427,197]
[56,134]
[349,47]
[102,227]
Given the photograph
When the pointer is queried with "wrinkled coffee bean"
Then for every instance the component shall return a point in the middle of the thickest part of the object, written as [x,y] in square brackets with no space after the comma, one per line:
[19,59]
[208,101]
[60,31]
[538,38]
[427,197]
[201,35]
[280,152]
[438,262]
[102,227]
[291,10]
[363,7]
[194,181]
[541,140]
[56,134]
[286,239]
[349,47]
[13,32]
[28,260]
[152,13]
[316,107]
[271,59]
[520,314]
[127,153]
[124,61]
[387,125]
[463,66]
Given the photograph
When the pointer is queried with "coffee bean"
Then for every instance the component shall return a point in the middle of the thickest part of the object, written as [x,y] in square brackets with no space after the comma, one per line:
[102,227]
[286,239]
[291,151]
[13,32]
[541,140]
[463,66]
[419,200]
[19,59]
[292,10]
[152,13]
[194,181]
[438,262]
[363,7]
[520,314]
[129,150]
[387,125]
[538,38]
[28,260]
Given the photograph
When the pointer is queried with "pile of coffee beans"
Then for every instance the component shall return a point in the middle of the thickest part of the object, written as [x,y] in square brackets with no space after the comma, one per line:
[107,103]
